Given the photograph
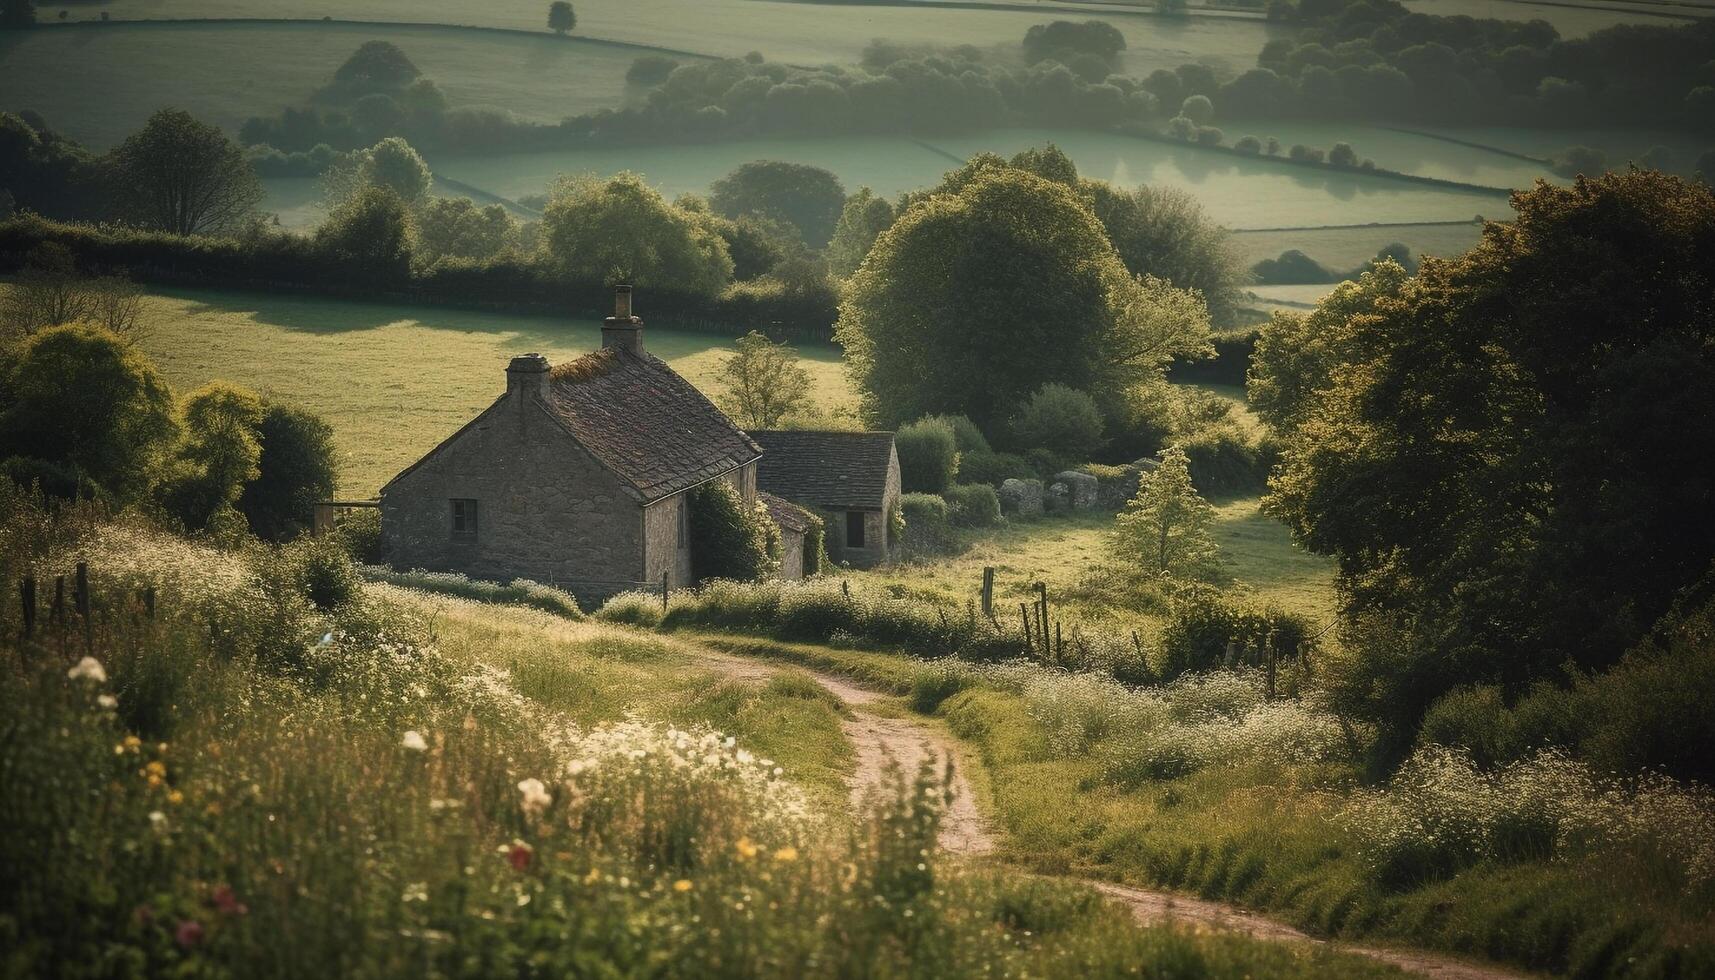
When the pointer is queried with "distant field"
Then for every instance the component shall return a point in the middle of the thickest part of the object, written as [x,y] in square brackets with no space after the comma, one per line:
[1344,249]
[1407,153]
[1237,192]
[807,33]
[99,84]
[1570,18]
[395,380]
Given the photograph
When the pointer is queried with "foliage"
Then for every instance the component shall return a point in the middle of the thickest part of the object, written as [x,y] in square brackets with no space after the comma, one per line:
[391,164]
[807,199]
[971,505]
[49,292]
[1292,267]
[928,456]
[370,231]
[324,570]
[1064,39]
[1523,502]
[729,536]
[80,397]
[217,456]
[455,227]
[966,436]
[622,230]
[992,468]
[1225,461]
[1206,631]
[863,218]
[1061,419]
[377,65]
[1163,232]
[184,176]
[296,468]
[518,592]
[1164,529]
[974,299]
[928,527]
[650,69]
[561,18]
[764,384]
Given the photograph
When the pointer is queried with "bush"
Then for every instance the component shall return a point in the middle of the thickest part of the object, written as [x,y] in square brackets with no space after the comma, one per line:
[1203,627]
[729,538]
[650,69]
[972,505]
[928,529]
[928,456]
[360,532]
[993,469]
[1061,419]
[1224,463]
[632,609]
[966,436]
[324,570]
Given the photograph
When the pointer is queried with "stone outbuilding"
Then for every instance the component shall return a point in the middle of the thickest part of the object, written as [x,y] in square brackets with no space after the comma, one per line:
[850,478]
[795,523]
[576,475]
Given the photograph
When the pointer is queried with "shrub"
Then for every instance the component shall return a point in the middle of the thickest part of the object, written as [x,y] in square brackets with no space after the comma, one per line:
[928,456]
[1203,627]
[1224,463]
[972,505]
[928,529]
[650,69]
[729,538]
[966,436]
[295,469]
[992,468]
[360,532]
[325,571]
[1062,419]
[632,609]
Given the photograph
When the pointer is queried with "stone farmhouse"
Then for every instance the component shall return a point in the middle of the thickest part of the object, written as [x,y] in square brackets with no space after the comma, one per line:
[851,478]
[578,476]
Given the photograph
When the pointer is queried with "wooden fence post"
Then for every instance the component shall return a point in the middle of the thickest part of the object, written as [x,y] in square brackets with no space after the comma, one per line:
[664,591]
[149,602]
[1024,615]
[27,593]
[988,591]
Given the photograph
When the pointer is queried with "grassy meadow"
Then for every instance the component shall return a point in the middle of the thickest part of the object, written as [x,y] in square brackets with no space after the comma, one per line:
[1343,249]
[85,81]
[395,380]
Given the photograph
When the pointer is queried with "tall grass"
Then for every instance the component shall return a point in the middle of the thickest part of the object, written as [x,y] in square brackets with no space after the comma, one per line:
[520,591]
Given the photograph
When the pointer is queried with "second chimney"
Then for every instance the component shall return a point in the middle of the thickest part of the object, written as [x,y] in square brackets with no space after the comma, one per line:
[622,329]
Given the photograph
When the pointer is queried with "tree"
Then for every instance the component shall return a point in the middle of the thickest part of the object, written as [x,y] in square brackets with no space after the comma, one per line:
[1504,455]
[809,199]
[1163,232]
[1063,39]
[764,384]
[49,292]
[863,218]
[392,164]
[621,230]
[376,65]
[1342,155]
[928,455]
[1060,419]
[1198,109]
[454,227]
[85,399]
[561,18]
[1165,528]
[184,176]
[372,231]
[219,454]
[295,469]
[974,299]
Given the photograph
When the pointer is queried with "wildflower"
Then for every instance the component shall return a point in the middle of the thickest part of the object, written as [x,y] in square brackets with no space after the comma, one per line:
[682,885]
[787,853]
[226,900]
[158,821]
[414,741]
[175,797]
[88,669]
[518,855]
[416,891]
[107,701]
[132,743]
[536,797]
[188,934]
[746,849]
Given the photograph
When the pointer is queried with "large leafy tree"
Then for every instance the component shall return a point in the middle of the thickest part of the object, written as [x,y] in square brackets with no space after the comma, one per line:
[561,18]
[1510,458]
[372,231]
[807,198]
[294,470]
[219,454]
[184,176]
[622,230]
[978,297]
[862,220]
[82,398]
[1163,232]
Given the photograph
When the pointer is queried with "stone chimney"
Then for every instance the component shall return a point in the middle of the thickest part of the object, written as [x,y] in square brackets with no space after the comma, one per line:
[622,329]
[528,374]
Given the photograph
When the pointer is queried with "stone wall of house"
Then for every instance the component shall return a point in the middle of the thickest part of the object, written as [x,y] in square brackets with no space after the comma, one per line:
[662,548]
[874,551]
[791,554]
[546,510]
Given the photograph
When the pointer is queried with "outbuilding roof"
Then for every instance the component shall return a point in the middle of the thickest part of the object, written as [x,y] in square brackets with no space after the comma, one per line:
[787,514]
[646,424]
[822,468]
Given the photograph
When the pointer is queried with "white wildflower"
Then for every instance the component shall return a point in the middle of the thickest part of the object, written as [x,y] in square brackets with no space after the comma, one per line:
[536,797]
[414,741]
[88,669]
[107,701]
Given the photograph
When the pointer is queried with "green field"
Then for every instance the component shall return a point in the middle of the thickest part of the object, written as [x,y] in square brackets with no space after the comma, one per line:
[395,380]
[805,33]
[1344,249]
[98,85]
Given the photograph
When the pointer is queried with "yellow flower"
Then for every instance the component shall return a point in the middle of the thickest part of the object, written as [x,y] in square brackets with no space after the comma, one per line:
[746,849]
[154,781]
[156,768]
[682,885]
[132,742]
[787,853]
[175,797]
[593,877]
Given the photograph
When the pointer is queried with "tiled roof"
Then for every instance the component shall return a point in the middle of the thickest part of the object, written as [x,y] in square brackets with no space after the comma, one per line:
[785,513]
[644,422]
[825,469]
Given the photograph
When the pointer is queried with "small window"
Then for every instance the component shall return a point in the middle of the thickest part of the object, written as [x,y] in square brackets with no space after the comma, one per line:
[854,529]
[684,523]
[464,518]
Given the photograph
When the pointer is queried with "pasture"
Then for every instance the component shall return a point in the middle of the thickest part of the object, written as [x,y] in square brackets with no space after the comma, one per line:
[98,85]
[1344,249]
[395,380]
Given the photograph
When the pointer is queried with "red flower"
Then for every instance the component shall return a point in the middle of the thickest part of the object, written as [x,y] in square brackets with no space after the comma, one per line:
[227,901]
[188,934]
[519,856]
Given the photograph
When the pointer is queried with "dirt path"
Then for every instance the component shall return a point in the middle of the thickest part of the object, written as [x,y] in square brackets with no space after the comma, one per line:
[878,737]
